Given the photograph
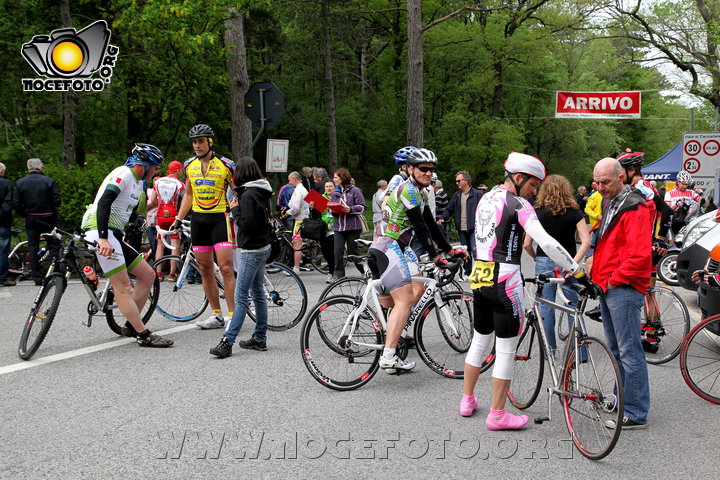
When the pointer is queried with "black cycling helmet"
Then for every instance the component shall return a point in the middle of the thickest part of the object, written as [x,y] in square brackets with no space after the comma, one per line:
[201,130]
[421,155]
[630,159]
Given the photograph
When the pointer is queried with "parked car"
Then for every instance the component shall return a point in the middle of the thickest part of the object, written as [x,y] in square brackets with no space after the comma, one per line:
[702,235]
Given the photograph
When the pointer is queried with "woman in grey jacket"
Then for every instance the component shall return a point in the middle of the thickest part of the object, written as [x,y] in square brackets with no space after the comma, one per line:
[347,226]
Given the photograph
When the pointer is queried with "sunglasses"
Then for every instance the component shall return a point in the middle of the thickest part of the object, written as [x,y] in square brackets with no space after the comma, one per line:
[425,169]
[458,181]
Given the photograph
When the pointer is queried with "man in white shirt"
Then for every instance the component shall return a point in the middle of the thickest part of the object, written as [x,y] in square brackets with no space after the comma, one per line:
[298,210]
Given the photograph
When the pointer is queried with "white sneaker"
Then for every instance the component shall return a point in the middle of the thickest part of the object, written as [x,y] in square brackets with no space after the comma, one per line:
[394,364]
[329,278]
[213,321]
[296,270]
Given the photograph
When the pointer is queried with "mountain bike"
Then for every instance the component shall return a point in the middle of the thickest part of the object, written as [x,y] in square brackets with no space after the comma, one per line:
[700,359]
[585,377]
[47,300]
[343,337]
[182,301]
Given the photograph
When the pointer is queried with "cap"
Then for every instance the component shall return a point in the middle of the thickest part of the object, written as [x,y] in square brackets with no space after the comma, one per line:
[174,166]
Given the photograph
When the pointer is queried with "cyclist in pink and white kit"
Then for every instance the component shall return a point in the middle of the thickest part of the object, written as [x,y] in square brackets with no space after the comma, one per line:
[501,220]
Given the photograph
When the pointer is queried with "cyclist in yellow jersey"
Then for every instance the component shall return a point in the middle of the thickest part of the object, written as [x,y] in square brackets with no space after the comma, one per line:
[208,178]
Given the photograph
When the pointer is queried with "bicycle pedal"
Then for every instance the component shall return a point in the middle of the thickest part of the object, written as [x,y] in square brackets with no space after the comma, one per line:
[540,420]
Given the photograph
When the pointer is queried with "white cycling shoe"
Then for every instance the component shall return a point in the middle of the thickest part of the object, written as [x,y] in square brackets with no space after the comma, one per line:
[213,321]
[392,365]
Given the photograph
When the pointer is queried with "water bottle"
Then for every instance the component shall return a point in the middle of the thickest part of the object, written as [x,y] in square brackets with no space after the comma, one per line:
[92,276]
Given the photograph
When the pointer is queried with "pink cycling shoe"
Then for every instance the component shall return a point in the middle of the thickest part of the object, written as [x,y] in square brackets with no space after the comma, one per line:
[501,420]
[468,405]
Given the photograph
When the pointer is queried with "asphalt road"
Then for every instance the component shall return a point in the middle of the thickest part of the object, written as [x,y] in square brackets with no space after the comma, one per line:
[120,411]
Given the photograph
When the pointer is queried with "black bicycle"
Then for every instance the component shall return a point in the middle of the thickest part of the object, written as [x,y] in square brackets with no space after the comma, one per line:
[53,287]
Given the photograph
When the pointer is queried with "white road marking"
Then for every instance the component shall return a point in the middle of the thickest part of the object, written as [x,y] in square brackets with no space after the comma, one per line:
[36,362]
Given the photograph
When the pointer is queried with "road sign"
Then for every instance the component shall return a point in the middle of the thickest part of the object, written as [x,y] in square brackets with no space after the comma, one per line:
[700,157]
[691,165]
[264,100]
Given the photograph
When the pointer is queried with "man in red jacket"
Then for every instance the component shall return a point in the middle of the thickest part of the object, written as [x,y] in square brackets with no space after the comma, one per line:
[621,266]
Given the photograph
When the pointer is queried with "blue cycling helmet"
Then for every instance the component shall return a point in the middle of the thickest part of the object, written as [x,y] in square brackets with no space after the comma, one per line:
[146,155]
[401,155]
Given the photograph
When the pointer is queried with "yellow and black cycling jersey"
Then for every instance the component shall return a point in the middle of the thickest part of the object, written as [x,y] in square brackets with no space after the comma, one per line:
[209,190]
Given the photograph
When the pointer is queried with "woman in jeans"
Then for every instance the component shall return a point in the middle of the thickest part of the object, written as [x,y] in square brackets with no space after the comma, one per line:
[250,210]
[346,226]
[561,217]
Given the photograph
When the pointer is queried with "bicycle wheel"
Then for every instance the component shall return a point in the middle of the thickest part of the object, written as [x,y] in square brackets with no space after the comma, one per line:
[19,262]
[563,325]
[700,359]
[315,257]
[41,315]
[116,319]
[664,326]
[286,298]
[592,396]
[442,345]
[179,301]
[349,286]
[330,358]
[667,269]
[529,367]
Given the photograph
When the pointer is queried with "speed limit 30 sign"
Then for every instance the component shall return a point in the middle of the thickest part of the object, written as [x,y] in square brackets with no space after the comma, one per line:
[700,156]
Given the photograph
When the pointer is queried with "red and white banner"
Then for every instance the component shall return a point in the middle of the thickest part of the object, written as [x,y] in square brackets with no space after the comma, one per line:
[597,105]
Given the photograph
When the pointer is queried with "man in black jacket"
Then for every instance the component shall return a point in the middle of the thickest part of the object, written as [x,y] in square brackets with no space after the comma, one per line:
[6,196]
[462,208]
[37,199]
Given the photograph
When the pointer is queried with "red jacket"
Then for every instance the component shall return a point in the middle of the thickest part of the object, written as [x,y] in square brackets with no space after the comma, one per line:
[623,254]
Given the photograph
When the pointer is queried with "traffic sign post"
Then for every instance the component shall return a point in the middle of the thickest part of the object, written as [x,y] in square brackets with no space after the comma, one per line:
[264,106]
[700,157]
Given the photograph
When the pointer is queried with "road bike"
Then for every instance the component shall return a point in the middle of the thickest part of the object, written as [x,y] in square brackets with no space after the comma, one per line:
[343,337]
[47,300]
[19,257]
[182,301]
[585,377]
[700,359]
[664,324]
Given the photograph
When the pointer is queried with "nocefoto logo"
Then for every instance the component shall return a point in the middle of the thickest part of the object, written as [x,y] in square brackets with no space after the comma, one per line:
[68,59]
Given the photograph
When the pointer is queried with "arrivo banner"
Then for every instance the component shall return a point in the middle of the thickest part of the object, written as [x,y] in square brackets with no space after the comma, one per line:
[597,105]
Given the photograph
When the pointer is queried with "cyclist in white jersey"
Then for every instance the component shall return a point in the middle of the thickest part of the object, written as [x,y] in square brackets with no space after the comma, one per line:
[683,201]
[501,218]
[115,203]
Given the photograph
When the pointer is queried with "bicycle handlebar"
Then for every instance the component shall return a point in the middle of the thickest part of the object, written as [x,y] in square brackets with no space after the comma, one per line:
[163,234]
[58,233]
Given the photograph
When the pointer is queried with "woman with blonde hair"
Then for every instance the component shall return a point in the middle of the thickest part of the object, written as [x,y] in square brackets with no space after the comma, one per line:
[561,217]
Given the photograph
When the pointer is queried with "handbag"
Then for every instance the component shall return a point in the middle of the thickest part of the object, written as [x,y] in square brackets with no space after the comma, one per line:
[363,222]
[313,229]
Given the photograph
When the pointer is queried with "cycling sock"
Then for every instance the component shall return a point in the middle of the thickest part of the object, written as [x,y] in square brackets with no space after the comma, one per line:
[217,313]
[230,314]
[388,353]
[501,420]
[144,334]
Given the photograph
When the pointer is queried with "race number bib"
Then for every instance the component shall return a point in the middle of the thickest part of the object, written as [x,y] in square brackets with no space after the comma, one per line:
[482,274]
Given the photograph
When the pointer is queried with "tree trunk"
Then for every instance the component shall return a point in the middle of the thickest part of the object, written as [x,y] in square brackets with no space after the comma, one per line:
[328,87]
[238,84]
[415,111]
[69,101]
[499,91]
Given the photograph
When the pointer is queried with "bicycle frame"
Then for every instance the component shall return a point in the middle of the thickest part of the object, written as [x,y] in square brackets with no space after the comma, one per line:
[577,327]
[431,292]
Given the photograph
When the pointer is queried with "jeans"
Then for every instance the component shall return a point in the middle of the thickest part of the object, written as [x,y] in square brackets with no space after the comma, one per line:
[348,238]
[620,308]
[250,276]
[467,238]
[417,247]
[545,265]
[4,251]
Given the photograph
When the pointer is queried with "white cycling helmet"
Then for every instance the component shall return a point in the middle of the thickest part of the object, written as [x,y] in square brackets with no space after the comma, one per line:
[527,164]
[684,177]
